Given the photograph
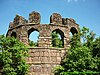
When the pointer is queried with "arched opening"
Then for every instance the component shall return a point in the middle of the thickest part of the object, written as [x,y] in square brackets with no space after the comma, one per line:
[14,34]
[57,38]
[33,35]
[73,31]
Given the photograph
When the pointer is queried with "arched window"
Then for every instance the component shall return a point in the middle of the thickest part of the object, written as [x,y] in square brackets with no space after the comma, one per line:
[14,34]
[33,36]
[73,30]
[57,38]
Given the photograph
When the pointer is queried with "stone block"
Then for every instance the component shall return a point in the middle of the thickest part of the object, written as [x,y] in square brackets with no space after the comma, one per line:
[44,59]
[41,54]
[46,53]
[37,54]
[58,54]
[36,59]
[31,68]
[53,59]
[53,54]
[58,59]
[37,68]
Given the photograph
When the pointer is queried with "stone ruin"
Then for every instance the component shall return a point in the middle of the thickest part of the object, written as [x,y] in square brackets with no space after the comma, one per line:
[44,57]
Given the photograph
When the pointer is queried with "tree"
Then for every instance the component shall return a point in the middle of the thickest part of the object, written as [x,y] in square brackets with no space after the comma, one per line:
[12,56]
[80,60]
[56,41]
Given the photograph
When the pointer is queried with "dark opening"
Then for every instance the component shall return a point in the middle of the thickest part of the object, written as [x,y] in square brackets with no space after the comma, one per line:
[14,34]
[73,30]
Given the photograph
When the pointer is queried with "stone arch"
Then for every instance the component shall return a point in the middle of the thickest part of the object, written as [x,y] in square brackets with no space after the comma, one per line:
[31,30]
[13,34]
[61,33]
[73,30]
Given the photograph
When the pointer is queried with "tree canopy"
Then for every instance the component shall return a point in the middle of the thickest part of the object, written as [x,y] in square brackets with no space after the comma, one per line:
[12,56]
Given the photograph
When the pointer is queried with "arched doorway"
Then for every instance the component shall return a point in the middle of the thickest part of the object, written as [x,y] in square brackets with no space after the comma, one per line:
[33,35]
[57,38]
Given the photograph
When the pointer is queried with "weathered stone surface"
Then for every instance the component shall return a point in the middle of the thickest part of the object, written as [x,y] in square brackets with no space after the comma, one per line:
[64,21]
[43,58]
[19,20]
[34,18]
[56,19]
[11,25]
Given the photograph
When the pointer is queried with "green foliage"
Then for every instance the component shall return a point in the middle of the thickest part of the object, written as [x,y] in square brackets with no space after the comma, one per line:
[34,44]
[81,58]
[96,47]
[56,41]
[12,56]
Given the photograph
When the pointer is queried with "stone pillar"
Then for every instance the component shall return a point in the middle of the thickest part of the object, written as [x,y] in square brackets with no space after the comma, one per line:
[67,39]
[44,42]
[24,39]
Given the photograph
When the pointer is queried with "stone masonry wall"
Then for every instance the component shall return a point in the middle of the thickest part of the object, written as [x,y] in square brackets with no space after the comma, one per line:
[43,58]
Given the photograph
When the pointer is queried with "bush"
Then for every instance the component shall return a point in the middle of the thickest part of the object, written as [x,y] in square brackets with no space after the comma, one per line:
[83,57]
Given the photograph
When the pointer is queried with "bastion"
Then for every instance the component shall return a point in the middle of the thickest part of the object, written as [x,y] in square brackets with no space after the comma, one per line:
[44,57]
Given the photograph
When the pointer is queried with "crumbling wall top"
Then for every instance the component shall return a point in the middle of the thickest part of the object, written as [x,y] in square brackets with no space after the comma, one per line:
[66,21]
[18,20]
[34,17]
[56,19]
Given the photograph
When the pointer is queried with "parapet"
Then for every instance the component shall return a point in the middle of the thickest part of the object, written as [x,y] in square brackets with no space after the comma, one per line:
[34,17]
[66,21]
[19,20]
[56,19]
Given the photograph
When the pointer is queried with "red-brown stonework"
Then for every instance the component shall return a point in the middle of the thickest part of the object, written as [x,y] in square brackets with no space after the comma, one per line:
[44,57]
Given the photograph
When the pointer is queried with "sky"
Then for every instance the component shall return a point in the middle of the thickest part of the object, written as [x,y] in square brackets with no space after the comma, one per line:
[85,12]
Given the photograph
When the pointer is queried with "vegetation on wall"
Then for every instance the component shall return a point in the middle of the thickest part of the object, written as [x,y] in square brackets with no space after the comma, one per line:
[12,56]
[32,43]
[83,56]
